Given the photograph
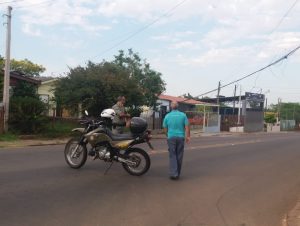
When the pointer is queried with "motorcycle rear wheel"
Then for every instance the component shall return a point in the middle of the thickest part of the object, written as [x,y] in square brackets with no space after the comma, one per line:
[141,159]
[75,153]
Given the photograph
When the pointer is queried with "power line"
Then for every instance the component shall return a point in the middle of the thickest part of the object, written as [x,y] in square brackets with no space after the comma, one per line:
[8,2]
[259,70]
[278,24]
[284,16]
[141,29]
[34,4]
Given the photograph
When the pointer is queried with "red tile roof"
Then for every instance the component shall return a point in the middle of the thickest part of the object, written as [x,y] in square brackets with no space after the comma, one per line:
[179,99]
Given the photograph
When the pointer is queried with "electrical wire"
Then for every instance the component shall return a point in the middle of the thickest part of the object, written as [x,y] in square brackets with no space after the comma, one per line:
[284,16]
[141,29]
[34,4]
[277,26]
[13,1]
[259,70]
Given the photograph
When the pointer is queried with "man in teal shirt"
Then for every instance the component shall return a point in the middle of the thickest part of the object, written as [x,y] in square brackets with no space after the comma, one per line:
[176,126]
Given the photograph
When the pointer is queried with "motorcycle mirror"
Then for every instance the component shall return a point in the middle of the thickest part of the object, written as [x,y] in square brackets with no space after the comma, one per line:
[86,112]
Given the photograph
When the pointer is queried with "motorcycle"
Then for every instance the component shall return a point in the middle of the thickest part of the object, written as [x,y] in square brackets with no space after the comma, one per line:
[110,147]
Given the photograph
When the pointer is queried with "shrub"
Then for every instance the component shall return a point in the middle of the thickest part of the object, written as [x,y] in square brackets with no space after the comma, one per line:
[25,114]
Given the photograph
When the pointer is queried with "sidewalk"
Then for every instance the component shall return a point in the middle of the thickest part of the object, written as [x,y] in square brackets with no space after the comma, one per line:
[60,141]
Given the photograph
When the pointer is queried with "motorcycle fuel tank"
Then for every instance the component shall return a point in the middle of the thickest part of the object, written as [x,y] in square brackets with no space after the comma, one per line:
[95,138]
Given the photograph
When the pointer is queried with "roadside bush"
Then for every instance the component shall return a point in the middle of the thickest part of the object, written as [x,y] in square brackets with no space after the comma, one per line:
[58,128]
[25,115]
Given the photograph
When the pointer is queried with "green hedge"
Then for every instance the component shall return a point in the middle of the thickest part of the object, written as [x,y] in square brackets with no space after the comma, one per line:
[25,115]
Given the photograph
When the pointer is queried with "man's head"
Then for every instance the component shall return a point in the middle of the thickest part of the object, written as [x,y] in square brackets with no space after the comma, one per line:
[121,99]
[174,105]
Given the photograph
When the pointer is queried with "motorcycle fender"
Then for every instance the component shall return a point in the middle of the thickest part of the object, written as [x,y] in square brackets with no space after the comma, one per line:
[123,144]
[81,130]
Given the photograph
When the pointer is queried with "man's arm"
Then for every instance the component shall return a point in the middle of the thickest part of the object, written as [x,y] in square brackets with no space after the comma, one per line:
[166,131]
[165,126]
[187,133]
[187,130]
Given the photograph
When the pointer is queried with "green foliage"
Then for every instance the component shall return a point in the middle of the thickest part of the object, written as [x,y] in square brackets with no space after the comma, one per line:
[290,111]
[149,81]
[27,67]
[97,86]
[25,114]
[8,137]
[55,129]
[270,117]
[287,111]
[135,111]
[25,89]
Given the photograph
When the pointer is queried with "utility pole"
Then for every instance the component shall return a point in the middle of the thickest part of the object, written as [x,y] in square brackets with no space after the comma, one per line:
[218,97]
[234,99]
[278,110]
[240,99]
[7,70]
[266,107]
[219,88]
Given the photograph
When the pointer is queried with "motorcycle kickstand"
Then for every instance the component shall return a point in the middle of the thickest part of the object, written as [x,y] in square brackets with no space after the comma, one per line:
[106,171]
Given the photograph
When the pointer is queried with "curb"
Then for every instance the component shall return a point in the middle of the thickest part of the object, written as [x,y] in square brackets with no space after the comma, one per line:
[37,142]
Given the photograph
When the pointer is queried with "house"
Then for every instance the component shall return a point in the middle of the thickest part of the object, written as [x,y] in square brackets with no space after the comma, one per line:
[46,93]
[16,77]
[184,104]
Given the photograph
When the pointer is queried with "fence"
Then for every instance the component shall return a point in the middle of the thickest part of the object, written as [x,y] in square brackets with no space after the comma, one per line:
[154,119]
[206,121]
[286,125]
[228,121]
[196,119]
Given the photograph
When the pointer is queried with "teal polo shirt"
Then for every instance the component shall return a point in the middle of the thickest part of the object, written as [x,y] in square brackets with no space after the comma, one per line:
[175,122]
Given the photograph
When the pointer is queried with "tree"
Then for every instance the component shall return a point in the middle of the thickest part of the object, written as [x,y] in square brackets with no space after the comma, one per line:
[27,67]
[97,86]
[270,117]
[148,80]
[287,111]
[25,106]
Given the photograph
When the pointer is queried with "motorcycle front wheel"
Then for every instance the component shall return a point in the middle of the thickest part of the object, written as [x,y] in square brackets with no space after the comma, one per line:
[140,159]
[75,153]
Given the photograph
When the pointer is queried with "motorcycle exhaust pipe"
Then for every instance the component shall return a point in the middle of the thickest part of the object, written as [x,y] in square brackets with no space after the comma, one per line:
[128,162]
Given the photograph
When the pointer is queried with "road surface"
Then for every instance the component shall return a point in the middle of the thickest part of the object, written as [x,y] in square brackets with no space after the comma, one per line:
[231,180]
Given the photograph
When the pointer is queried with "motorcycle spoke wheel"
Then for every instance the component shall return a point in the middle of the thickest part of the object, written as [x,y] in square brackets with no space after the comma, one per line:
[75,154]
[140,162]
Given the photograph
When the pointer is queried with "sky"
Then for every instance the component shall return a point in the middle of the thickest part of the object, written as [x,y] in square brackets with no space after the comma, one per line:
[194,44]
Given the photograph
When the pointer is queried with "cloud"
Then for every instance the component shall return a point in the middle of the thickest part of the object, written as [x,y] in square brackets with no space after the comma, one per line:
[184,44]
[63,12]
[27,29]
[279,44]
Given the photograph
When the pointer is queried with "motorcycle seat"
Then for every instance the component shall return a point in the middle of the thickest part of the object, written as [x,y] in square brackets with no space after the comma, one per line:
[120,137]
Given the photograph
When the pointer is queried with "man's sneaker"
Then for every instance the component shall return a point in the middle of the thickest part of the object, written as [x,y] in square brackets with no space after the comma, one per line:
[174,177]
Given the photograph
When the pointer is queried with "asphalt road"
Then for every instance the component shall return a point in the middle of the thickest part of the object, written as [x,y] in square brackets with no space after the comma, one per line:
[226,181]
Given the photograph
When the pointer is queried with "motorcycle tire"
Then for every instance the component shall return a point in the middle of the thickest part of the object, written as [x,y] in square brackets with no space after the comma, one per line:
[80,154]
[137,155]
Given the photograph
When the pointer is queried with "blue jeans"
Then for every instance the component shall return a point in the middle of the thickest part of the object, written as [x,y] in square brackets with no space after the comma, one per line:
[176,148]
